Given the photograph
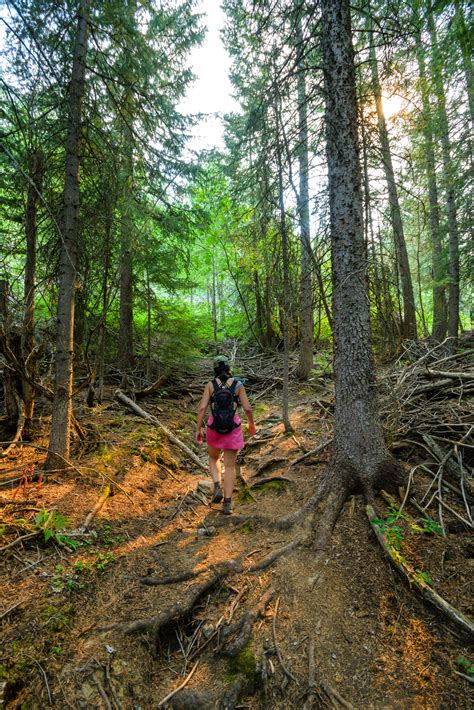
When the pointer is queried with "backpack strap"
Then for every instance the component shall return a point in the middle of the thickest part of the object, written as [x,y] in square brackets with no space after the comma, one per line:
[231,389]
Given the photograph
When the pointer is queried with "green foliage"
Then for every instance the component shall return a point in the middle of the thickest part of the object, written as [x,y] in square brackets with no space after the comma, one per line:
[107,538]
[465,666]
[427,526]
[52,524]
[393,533]
[422,577]
[104,560]
[76,577]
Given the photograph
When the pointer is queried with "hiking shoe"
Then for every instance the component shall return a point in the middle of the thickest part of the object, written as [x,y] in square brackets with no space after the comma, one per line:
[217,495]
[227,507]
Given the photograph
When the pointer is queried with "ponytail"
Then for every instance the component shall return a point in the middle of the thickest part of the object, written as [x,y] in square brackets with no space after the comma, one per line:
[222,371]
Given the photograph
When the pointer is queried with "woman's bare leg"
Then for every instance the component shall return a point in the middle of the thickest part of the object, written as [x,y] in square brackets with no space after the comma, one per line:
[215,467]
[229,472]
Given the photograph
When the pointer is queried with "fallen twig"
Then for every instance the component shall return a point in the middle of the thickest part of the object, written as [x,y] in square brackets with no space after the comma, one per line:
[180,687]
[319,448]
[17,540]
[277,648]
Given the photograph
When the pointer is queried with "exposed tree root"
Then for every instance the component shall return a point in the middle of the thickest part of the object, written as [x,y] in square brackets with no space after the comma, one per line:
[268,463]
[335,696]
[324,525]
[173,579]
[188,699]
[243,627]
[182,607]
[263,481]
[296,516]
[415,579]
[272,557]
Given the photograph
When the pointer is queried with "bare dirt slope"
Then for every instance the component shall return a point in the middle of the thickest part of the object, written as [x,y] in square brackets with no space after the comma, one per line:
[286,636]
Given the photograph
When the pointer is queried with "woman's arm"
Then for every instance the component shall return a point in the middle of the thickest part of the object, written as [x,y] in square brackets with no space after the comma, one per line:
[201,412]
[244,401]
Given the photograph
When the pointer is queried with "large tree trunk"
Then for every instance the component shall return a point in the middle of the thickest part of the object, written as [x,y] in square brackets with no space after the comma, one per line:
[36,172]
[409,311]
[62,405]
[448,181]
[359,451]
[440,325]
[305,363]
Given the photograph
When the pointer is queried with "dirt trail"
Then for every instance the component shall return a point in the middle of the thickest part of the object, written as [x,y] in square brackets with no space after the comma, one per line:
[375,644]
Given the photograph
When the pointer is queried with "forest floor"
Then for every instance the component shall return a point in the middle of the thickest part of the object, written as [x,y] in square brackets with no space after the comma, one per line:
[348,634]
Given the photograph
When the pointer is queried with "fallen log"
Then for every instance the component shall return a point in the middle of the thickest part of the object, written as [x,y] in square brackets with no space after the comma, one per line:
[153,420]
[100,504]
[151,389]
[453,374]
[415,579]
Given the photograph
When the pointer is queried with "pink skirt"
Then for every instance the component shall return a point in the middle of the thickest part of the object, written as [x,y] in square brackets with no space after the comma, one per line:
[233,441]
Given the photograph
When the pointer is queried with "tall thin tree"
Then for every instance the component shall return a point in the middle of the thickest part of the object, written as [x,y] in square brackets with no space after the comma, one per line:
[436,65]
[305,363]
[403,264]
[62,407]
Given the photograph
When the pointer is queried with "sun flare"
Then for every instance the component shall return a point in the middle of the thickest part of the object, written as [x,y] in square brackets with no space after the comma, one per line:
[392,105]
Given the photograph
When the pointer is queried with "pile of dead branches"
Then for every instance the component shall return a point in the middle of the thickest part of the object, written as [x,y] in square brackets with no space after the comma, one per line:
[429,418]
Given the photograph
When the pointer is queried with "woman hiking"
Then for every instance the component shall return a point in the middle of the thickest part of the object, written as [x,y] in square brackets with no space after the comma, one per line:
[224,428]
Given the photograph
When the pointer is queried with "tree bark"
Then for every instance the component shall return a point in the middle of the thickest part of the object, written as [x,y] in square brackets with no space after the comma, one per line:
[448,182]
[305,363]
[359,451]
[105,304]
[440,325]
[126,354]
[10,394]
[62,404]
[36,172]
[286,281]
[409,311]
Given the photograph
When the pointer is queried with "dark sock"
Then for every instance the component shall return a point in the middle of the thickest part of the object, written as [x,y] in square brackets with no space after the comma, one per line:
[227,500]
[217,484]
